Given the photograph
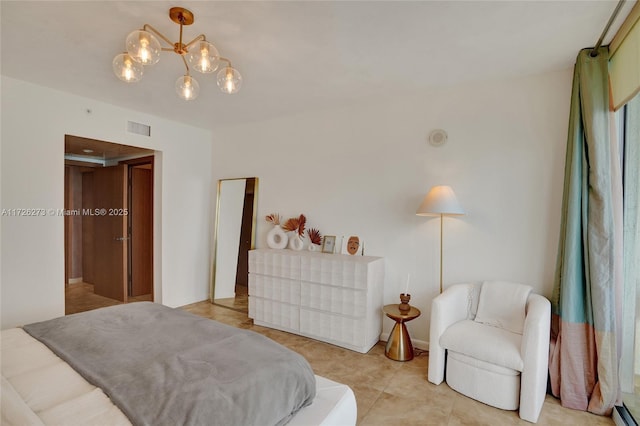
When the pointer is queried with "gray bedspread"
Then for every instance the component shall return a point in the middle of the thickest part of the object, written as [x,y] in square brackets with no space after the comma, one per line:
[164,366]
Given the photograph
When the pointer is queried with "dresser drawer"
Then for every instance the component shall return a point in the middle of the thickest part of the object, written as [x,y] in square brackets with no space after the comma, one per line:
[274,288]
[335,270]
[334,328]
[276,263]
[338,300]
[282,315]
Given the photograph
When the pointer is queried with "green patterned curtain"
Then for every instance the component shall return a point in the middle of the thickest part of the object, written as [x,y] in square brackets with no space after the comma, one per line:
[584,353]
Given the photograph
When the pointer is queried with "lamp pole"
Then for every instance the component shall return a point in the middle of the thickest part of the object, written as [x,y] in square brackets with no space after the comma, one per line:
[441,239]
[440,201]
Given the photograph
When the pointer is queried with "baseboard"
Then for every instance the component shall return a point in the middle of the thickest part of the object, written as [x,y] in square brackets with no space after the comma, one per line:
[417,343]
[621,417]
[74,280]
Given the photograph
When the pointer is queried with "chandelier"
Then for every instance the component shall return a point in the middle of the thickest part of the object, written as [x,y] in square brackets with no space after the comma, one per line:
[143,48]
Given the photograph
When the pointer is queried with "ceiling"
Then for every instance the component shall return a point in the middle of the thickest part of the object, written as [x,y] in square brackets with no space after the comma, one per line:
[296,55]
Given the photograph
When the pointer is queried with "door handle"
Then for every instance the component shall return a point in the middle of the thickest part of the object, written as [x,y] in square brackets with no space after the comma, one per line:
[120,238]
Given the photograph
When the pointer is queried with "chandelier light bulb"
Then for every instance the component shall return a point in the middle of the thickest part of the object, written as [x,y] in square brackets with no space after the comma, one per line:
[229,80]
[126,69]
[203,57]
[204,65]
[143,47]
[187,87]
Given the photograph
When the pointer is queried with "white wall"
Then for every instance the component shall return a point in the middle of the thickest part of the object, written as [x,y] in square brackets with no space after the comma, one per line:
[34,122]
[364,169]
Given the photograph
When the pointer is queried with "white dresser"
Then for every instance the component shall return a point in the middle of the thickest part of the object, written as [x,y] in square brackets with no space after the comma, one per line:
[335,298]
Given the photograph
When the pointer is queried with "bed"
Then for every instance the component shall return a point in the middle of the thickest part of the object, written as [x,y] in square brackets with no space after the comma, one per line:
[144,363]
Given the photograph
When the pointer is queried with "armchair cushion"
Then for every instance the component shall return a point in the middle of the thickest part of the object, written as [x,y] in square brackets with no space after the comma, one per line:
[489,344]
[503,305]
[478,364]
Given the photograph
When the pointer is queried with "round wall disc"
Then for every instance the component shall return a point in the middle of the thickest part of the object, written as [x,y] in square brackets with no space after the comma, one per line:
[438,137]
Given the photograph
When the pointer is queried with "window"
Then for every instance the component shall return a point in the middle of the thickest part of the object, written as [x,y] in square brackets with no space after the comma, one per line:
[629,120]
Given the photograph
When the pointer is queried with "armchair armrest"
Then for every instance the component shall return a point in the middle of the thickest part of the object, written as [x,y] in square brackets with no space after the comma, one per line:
[446,309]
[535,354]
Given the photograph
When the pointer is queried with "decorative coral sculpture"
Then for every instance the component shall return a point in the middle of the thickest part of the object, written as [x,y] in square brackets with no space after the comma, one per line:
[295,224]
[273,218]
[314,236]
[291,224]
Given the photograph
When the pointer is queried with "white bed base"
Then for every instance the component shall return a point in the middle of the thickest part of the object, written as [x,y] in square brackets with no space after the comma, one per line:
[39,388]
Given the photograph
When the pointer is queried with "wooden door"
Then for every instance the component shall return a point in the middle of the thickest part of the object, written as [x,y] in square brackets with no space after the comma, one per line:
[88,204]
[110,232]
[73,222]
[141,216]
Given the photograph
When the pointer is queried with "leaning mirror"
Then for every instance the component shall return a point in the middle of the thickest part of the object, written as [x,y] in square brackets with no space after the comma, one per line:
[234,236]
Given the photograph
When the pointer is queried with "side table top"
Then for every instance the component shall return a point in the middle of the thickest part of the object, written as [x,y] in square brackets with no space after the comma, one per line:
[393,312]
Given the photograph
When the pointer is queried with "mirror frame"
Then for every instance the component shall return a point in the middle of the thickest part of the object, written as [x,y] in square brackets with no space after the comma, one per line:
[217,224]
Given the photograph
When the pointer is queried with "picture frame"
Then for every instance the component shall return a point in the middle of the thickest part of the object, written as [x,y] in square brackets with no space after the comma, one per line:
[328,243]
[352,245]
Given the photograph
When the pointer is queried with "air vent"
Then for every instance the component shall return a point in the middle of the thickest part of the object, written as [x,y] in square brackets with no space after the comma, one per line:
[138,128]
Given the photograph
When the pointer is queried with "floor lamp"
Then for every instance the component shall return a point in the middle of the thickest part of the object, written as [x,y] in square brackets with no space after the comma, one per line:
[440,201]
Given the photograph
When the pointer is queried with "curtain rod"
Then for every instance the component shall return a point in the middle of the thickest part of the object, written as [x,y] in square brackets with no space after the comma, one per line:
[594,51]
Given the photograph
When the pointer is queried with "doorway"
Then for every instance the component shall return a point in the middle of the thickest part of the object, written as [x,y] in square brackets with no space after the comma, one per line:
[108,224]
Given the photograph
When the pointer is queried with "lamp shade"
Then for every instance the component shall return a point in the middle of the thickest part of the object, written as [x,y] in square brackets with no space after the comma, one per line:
[440,200]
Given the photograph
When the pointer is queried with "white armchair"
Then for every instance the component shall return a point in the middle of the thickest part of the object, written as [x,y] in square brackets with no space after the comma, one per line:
[493,338]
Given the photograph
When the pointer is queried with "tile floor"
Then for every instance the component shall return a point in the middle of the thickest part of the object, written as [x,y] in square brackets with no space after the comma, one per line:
[79,297]
[239,303]
[389,392]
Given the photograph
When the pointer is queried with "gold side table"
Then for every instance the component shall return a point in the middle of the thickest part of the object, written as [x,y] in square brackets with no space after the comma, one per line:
[399,347]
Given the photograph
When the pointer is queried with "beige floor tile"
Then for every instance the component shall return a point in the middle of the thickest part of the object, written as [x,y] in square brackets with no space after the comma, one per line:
[467,411]
[409,381]
[239,303]
[406,411]
[366,398]
[555,414]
